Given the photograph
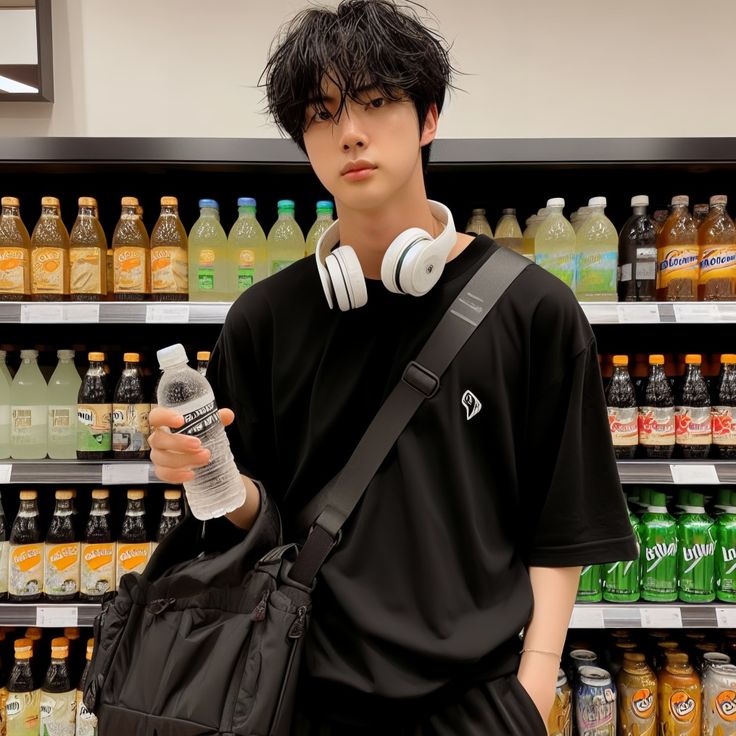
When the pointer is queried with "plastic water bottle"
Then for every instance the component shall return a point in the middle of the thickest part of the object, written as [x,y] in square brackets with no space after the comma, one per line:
[217,488]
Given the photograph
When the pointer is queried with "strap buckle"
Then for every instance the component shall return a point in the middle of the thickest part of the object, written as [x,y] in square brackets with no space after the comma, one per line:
[330,523]
[421,379]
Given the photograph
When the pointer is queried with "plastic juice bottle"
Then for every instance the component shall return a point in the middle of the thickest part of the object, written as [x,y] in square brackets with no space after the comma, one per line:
[555,243]
[50,254]
[58,697]
[5,383]
[87,255]
[657,412]
[700,212]
[62,392]
[508,232]
[723,411]
[527,239]
[677,255]
[169,265]
[172,513]
[98,551]
[597,249]
[131,252]
[622,410]
[285,240]
[637,255]
[25,568]
[28,410]
[130,428]
[726,552]
[680,697]
[478,224]
[208,272]
[693,413]
[323,221]
[86,721]
[248,248]
[696,543]
[658,551]
[15,253]
[717,243]
[94,413]
[23,707]
[581,216]
[133,550]
[61,564]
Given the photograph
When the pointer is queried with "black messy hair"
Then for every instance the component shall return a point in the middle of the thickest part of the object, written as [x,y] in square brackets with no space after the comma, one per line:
[376,44]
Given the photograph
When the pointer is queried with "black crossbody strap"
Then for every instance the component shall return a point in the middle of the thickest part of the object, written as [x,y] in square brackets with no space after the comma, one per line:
[421,380]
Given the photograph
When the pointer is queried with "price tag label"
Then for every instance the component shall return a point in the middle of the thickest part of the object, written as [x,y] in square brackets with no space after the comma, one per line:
[79,313]
[587,617]
[56,616]
[124,472]
[603,313]
[694,474]
[726,617]
[163,313]
[727,312]
[696,313]
[41,313]
[661,617]
[638,313]
[5,471]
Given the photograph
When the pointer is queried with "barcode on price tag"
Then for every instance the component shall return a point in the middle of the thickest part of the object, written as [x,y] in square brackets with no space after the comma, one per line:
[587,617]
[167,313]
[5,470]
[56,616]
[726,617]
[121,473]
[41,313]
[696,474]
[661,617]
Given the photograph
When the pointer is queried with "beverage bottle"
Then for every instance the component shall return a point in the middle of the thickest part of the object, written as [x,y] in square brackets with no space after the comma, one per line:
[637,696]
[658,551]
[50,254]
[555,244]
[659,218]
[217,488]
[172,513]
[285,240]
[682,502]
[4,558]
[62,392]
[723,411]
[5,383]
[717,243]
[559,720]
[15,253]
[25,566]
[700,212]
[248,248]
[692,415]
[203,360]
[581,216]
[322,223]
[590,586]
[208,272]
[87,255]
[130,428]
[58,697]
[478,224]
[76,656]
[39,663]
[28,410]
[133,550]
[169,265]
[719,503]
[527,238]
[621,579]
[696,553]
[680,699]
[154,393]
[637,255]
[622,409]
[508,232]
[86,724]
[131,253]
[61,564]
[23,706]
[726,552]
[657,412]
[677,255]
[94,413]
[98,551]
[597,254]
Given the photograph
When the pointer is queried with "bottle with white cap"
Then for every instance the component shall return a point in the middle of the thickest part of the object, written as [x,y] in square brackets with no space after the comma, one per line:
[217,488]
[554,243]
[637,255]
[597,255]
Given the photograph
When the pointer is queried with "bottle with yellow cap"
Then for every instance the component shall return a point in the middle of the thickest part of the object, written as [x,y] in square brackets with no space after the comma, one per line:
[203,360]
[94,413]
[15,253]
[50,254]
[692,414]
[723,416]
[169,261]
[131,250]
[25,567]
[172,513]
[61,563]
[86,721]
[133,550]
[657,412]
[622,409]
[87,255]
[62,393]
[23,706]
[58,696]
[98,581]
[130,428]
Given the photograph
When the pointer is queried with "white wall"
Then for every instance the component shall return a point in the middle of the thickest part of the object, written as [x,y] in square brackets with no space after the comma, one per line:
[533,69]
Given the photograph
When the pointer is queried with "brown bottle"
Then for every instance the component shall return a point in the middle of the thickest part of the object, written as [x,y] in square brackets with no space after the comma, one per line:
[677,255]
[50,254]
[717,243]
[169,255]
[15,253]
[98,551]
[87,255]
[637,696]
[680,699]
[25,569]
[133,550]
[61,571]
[131,255]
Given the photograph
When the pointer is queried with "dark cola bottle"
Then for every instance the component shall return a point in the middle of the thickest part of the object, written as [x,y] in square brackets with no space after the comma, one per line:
[692,416]
[622,410]
[724,409]
[657,412]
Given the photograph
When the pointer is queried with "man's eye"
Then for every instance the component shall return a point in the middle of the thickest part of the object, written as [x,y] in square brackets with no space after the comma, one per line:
[321,116]
[377,102]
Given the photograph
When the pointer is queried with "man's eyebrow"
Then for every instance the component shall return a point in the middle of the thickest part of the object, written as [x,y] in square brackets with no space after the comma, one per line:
[329,99]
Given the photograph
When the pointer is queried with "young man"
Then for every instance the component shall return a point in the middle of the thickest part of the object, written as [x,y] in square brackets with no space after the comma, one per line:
[477,523]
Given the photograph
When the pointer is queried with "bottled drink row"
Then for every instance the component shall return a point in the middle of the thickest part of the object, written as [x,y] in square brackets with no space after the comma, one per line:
[673,256]
[72,559]
[646,683]
[660,416]
[53,264]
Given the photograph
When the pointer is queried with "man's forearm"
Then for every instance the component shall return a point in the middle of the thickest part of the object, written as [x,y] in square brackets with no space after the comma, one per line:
[245,516]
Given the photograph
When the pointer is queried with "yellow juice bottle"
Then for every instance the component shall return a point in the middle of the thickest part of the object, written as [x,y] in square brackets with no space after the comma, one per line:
[247,249]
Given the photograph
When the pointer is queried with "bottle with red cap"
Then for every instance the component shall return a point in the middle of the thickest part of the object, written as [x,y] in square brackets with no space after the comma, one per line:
[657,412]
[622,409]
[723,411]
[693,414]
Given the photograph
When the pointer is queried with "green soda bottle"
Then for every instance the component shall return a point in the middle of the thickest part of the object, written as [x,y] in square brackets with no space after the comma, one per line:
[645,495]
[722,502]
[208,267]
[285,240]
[682,501]
[726,552]
[621,579]
[248,249]
[696,560]
[658,551]
[323,221]
[590,587]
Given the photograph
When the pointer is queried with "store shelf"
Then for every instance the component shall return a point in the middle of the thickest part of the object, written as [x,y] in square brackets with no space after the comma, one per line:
[645,615]
[48,615]
[613,313]
[63,472]
[694,472]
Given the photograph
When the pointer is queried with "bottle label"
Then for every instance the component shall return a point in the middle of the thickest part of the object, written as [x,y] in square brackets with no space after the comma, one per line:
[86,721]
[597,273]
[656,425]
[247,258]
[61,569]
[277,266]
[47,270]
[677,262]
[25,421]
[206,269]
[58,713]
[624,272]
[692,425]
[132,557]
[723,425]
[718,262]
[198,416]
[646,264]
[85,271]
[13,266]
[62,424]
[130,428]
[624,426]
[683,706]
[94,427]
[25,569]
[246,277]
[98,568]
[129,269]
[169,269]
[562,266]
[23,711]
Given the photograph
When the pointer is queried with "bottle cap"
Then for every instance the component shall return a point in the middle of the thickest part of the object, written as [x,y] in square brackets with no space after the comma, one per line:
[90,648]
[172,495]
[640,200]
[634,657]
[10,202]
[169,202]
[656,360]
[556,202]
[87,202]
[33,633]
[172,355]
[49,202]
[718,199]
[203,355]
[209,203]
[131,357]
[657,498]
[100,493]
[136,495]
[96,357]
[728,358]
[693,359]
[23,648]
[59,648]
[680,200]
[620,359]
[324,205]
[246,202]
[479,211]
[597,202]
[73,491]
[29,353]
[71,633]
[509,211]
[63,495]
[696,499]
[28,495]
[675,657]
[286,204]
[129,201]
[65,354]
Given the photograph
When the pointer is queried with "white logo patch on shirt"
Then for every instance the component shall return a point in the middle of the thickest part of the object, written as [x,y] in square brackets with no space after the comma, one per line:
[472,404]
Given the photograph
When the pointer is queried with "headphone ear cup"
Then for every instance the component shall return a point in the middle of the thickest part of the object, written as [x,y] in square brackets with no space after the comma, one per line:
[399,261]
[346,275]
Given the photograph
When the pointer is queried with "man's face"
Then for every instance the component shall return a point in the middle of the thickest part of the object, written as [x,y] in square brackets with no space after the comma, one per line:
[371,152]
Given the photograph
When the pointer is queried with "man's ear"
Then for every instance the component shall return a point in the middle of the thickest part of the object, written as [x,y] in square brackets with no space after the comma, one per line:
[429,131]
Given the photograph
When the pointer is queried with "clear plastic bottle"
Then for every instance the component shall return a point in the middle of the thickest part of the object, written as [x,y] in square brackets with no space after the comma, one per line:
[597,255]
[285,240]
[87,255]
[28,410]
[15,253]
[131,251]
[208,265]
[50,254]
[248,249]
[169,263]
[478,224]
[527,238]
[555,244]
[508,232]
[217,488]
[62,393]
[5,383]
[323,221]
[717,244]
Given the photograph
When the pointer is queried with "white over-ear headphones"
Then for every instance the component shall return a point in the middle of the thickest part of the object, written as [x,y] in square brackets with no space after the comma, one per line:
[412,264]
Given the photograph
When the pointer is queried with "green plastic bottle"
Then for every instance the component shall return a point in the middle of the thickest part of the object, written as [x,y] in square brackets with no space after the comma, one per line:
[208,267]
[726,552]
[658,551]
[590,587]
[248,250]
[621,579]
[696,544]
[285,239]
[323,221]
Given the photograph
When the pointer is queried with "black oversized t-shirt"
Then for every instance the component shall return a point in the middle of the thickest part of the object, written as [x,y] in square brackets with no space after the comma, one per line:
[430,582]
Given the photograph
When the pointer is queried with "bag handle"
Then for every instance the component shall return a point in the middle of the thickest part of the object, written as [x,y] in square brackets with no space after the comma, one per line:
[420,381]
